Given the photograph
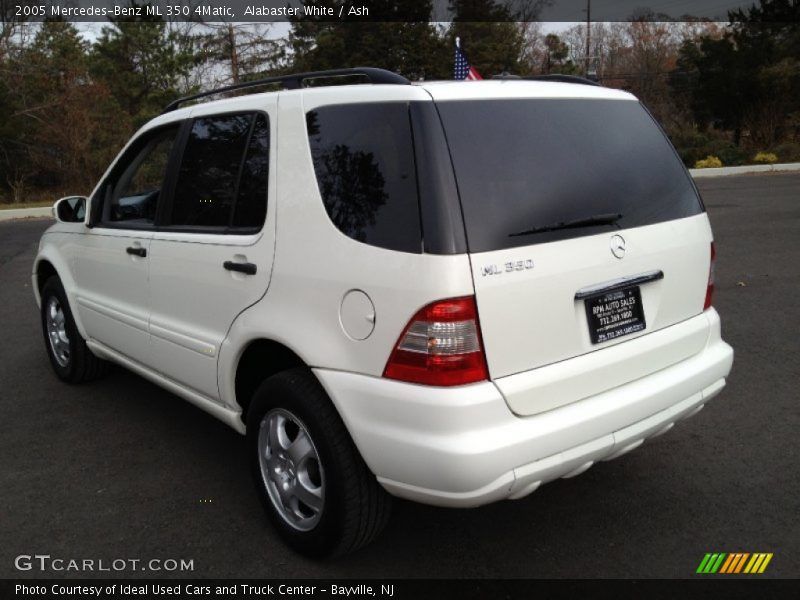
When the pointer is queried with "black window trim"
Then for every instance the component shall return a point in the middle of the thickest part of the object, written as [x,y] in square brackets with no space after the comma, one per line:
[166,197]
[171,179]
[441,215]
[239,172]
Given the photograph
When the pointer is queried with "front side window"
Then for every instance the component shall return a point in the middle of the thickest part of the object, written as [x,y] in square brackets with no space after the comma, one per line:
[363,158]
[132,196]
[222,180]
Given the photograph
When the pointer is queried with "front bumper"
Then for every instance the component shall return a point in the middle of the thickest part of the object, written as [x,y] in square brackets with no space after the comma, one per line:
[463,447]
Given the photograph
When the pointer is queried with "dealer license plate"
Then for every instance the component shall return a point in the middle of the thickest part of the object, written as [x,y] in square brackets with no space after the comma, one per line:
[614,314]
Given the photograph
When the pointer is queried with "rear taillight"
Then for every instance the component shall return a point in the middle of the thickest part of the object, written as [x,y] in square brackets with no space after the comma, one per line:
[440,346]
[710,286]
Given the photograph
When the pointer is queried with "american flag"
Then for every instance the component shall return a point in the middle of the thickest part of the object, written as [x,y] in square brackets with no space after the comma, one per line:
[461,69]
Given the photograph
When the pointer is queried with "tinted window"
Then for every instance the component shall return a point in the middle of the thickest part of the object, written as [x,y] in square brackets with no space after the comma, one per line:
[133,197]
[208,180]
[523,164]
[364,162]
[251,203]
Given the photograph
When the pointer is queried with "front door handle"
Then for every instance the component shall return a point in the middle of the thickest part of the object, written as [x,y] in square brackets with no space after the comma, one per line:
[136,251]
[246,268]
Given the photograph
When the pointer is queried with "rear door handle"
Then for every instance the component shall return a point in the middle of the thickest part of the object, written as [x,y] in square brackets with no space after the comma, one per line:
[246,268]
[136,250]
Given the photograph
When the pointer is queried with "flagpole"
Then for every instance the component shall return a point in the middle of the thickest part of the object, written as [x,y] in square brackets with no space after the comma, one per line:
[458,42]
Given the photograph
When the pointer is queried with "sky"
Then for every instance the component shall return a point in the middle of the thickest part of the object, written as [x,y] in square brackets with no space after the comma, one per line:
[91,31]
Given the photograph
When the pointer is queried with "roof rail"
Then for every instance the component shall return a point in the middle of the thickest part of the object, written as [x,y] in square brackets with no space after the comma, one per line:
[552,77]
[295,81]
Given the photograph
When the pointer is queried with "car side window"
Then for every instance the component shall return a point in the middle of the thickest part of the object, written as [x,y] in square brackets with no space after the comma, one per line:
[132,196]
[363,158]
[222,180]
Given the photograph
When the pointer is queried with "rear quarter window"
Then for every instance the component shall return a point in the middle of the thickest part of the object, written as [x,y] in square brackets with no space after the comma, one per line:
[363,159]
[533,163]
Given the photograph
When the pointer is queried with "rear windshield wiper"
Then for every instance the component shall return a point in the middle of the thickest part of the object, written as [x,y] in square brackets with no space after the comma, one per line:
[604,219]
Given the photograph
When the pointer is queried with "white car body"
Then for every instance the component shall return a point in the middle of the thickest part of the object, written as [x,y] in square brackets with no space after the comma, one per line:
[554,403]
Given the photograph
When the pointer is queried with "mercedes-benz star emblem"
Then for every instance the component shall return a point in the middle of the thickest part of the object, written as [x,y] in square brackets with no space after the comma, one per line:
[618,246]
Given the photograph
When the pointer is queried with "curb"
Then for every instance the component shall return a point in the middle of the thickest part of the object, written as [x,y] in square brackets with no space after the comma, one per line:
[727,171]
[25,213]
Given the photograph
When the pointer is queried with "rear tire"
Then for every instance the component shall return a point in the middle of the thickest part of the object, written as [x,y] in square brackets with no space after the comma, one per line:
[318,492]
[69,355]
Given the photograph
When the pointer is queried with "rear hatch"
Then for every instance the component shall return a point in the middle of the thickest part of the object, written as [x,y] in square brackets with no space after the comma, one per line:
[584,230]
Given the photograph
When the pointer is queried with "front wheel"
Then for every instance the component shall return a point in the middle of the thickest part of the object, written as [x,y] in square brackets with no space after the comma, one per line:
[69,355]
[319,494]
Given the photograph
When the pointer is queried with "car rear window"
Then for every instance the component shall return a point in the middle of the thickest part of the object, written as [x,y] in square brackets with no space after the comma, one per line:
[525,164]
[364,162]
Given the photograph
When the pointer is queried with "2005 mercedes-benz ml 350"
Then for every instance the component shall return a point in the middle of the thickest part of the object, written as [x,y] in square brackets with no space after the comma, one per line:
[449,292]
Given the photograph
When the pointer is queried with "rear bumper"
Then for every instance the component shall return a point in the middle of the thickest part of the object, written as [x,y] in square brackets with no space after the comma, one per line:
[464,447]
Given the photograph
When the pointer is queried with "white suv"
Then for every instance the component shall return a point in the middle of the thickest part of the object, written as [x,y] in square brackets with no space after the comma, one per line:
[451,292]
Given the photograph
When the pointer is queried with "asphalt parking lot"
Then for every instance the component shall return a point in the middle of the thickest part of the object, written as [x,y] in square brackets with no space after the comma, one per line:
[122,469]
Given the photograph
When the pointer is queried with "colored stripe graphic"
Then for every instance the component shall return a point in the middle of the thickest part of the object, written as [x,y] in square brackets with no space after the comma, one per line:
[717,563]
[740,564]
[703,563]
[765,563]
[734,562]
[755,562]
[711,563]
[727,564]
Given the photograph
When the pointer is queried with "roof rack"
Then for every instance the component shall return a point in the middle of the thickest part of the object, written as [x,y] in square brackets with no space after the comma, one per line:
[296,80]
[553,77]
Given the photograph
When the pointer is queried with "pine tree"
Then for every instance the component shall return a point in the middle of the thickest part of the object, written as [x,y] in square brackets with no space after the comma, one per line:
[408,44]
[492,42]
[143,62]
[748,80]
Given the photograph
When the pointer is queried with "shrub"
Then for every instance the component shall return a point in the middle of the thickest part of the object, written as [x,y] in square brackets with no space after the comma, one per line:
[693,146]
[690,145]
[709,162]
[730,155]
[788,151]
[766,158]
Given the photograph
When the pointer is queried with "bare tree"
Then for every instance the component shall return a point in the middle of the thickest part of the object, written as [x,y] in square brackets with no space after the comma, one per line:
[245,50]
[533,47]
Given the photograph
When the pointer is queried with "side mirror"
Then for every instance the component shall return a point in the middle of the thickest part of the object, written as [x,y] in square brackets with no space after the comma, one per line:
[71,209]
